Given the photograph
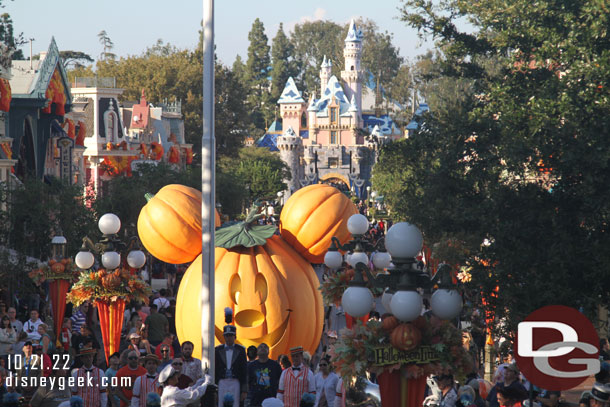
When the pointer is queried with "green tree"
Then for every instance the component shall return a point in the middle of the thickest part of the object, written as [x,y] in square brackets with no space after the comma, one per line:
[257,68]
[260,172]
[283,67]
[7,36]
[231,114]
[107,45]
[312,40]
[515,174]
[75,58]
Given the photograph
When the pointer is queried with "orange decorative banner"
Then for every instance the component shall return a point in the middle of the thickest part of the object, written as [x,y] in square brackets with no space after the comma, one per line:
[189,155]
[5,95]
[174,155]
[6,148]
[57,292]
[156,150]
[71,128]
[396,390]
[111,323]
[56,94]
[82,131]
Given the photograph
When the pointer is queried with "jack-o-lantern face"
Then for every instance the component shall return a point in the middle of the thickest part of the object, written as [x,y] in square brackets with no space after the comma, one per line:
[272,290]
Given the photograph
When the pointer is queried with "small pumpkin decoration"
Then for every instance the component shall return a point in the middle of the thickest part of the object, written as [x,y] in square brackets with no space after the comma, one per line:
[312,216]
[389,322]
[169,225]
[271,289]
[58,268]
[405,337]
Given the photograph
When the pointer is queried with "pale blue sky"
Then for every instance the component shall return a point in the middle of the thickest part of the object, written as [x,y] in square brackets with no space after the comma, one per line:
[134,25]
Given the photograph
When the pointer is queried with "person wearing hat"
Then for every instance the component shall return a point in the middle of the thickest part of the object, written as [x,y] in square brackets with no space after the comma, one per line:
[296,380]
[146,383]
[511,379]
[231,368]
[173,396]
[132,370]
[93,392]
[30,369]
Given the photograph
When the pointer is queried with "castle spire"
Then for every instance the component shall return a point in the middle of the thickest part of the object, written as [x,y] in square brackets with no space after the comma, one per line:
[353,33]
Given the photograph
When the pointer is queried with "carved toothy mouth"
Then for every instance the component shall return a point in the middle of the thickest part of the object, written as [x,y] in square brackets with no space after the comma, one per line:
[271,339]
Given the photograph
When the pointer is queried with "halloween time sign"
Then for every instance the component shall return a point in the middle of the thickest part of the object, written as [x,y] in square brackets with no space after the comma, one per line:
[389,355]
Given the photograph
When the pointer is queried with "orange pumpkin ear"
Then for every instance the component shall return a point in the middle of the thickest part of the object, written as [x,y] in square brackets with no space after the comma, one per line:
[235,288]
[261,287]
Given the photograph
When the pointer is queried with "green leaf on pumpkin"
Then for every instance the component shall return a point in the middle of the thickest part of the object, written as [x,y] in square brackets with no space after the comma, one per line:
[246,233]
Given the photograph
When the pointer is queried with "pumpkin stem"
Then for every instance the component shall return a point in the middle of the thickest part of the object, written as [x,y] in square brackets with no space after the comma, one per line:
[149,196]
[247,233]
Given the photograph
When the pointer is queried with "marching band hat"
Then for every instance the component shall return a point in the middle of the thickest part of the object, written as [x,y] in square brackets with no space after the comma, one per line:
[600,392]
[87,350]
[150,356]
[167,372]
[296,349]
[229,330]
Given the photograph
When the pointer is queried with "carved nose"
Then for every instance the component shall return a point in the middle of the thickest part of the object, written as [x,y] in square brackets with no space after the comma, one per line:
[249,318]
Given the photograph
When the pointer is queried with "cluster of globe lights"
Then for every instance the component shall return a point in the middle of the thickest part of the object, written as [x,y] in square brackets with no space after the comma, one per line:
[403,241]
[109,224]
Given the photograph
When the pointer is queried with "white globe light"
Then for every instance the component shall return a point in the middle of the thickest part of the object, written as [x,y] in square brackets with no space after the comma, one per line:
[111,260]
[84,260]
[358,257]
[357,224]
[381,260]
[373,194]
[136,259]
[333,259]
[109,224]
[406,305]
[386,298]
[404,240]
[357,301]
[446,304]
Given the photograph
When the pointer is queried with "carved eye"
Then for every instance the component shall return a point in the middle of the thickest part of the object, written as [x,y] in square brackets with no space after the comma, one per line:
[235,288]
[261,287]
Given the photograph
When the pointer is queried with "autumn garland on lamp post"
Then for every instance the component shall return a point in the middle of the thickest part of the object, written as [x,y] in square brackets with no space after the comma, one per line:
[404,347]
[113,285]
[60,272]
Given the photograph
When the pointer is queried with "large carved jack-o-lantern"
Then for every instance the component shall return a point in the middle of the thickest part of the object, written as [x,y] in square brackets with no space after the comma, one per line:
[272,290]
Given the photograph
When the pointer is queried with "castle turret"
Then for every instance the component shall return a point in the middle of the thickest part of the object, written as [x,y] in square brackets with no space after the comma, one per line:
[352,74]
[325,72]
[291,149]
[311,118]
[292,107]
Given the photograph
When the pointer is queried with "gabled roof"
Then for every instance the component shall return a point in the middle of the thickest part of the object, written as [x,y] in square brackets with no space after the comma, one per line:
[269,141]
[276,127]
[353,33]
[291,94]
[33,83]
[333,90]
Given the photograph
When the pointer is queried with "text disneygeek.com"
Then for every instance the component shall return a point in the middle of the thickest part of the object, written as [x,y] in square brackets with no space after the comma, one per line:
[70,382]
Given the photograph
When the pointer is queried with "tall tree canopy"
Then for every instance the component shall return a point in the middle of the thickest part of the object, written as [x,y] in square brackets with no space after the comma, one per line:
[283,64]
[257,74]
[516,175]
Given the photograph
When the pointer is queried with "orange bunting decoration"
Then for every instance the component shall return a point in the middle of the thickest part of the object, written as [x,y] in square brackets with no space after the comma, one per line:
[111,323]
[56,94]
[82,131]
[71,128]
[5,95]
[174,155]
[114,166]
[143,149]
[189,155]
[156,150]
[6,149]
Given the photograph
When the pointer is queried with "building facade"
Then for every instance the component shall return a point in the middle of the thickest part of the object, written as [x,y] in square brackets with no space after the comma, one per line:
[333,138]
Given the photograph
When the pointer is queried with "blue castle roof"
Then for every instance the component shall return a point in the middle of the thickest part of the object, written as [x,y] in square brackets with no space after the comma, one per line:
[333,89]
[353,33]
[291,94]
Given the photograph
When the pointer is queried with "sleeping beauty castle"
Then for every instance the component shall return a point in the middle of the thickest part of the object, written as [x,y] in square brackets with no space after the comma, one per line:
[333,139]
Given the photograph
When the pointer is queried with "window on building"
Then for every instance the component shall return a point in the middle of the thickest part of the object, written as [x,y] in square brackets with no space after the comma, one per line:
[304,120]
[333,162]
[333,115]
[333,137]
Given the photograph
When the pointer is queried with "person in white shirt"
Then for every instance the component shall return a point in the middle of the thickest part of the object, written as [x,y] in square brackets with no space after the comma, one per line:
[326,385]
[31,326]
[16,324]
[173,396]
[147,383]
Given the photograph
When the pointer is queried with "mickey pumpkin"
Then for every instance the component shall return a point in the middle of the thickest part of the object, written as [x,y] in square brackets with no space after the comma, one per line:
[271,289]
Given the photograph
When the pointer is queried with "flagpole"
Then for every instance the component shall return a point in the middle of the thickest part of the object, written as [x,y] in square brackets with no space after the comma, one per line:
[208,200]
